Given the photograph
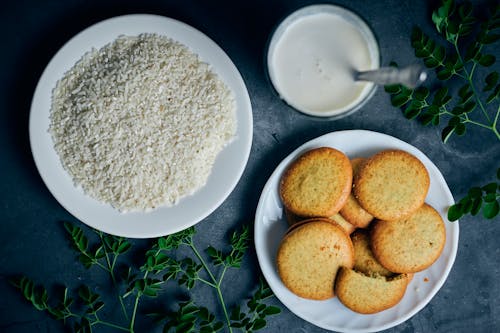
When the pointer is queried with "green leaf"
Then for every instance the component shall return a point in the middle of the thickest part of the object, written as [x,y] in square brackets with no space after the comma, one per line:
[446,133]
[433,110]
[426,118]
[466,204]
[457,111]
[392,88]
[399,100]
[490,197]
[150,292]
[455,212]
[217,326]
[440,95]
[469,106]
[435,120]
[490,188]
[475,192]
[454,121]
[411,113]
[97,306]
[478,202]
[431,63]
[439,54]
[422,53]
[487,60]
[491,209]
[185,327]
[123,247]
[444,74]
[258,324]
[421,93]
[460,129]
[491,80]
[440,15]
[272,310]
[494,95]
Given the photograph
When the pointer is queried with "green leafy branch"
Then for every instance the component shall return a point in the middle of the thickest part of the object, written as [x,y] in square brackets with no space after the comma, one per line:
[468,38]
[104,255]
[254,319]
[158,268]
[89,305]
[486,198]
[190,318]
[188,271]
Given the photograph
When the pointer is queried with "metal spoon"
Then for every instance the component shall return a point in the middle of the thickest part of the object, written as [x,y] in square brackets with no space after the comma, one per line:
[410,76]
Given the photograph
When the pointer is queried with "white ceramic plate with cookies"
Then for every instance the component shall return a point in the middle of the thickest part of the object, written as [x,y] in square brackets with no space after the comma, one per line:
[270,227]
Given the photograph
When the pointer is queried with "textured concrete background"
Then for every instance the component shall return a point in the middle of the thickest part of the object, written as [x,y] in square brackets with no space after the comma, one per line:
[32,239]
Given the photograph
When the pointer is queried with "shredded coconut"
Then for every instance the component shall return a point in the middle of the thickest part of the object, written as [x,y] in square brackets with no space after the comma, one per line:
[138,124]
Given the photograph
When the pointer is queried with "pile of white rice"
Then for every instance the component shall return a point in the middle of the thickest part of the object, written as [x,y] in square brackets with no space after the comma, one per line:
[139,123]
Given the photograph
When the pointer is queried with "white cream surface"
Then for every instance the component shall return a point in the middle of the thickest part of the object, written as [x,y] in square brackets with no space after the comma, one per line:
[313,62]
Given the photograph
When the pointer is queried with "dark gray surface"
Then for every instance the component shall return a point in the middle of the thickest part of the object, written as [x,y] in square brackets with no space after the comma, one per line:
[33,241]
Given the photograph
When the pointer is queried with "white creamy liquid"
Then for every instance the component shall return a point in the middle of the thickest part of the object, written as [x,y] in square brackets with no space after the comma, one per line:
[313,61]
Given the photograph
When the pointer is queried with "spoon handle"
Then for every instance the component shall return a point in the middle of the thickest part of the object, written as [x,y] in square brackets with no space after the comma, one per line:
[410,76]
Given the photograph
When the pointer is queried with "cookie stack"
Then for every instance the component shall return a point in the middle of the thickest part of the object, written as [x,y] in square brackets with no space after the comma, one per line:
[359,228]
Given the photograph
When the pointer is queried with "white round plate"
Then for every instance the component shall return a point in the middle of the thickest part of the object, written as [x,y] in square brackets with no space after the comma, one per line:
[229,164]
[270,227]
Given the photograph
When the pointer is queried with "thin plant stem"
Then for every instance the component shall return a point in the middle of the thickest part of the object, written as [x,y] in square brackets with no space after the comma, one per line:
[469,79]
[134,312]
[217,285]
[112,273]
[97,321]
[206,282]
[137,297]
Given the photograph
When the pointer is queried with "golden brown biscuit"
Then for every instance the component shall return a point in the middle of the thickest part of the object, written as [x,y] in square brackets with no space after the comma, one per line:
[294,221]
[364,261]
[352,211]
[392,185]
[309,257]
[317,184]
[343,223]
[411,244]
[369,294]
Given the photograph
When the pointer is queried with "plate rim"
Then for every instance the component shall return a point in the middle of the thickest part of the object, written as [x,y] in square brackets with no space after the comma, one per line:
[447,269]
[244,117]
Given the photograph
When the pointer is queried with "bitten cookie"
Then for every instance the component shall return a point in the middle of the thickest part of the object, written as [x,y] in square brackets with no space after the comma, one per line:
[317,184]
[309,257]
[364,261]
[411,244]
[352,211]
[369,294]
[392,185]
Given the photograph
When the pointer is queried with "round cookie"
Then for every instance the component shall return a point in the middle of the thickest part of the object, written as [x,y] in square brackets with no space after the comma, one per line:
[352,211]
[411,244]
[317,184]
[309,257]
[369,294]
[391,185]
[364,261]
